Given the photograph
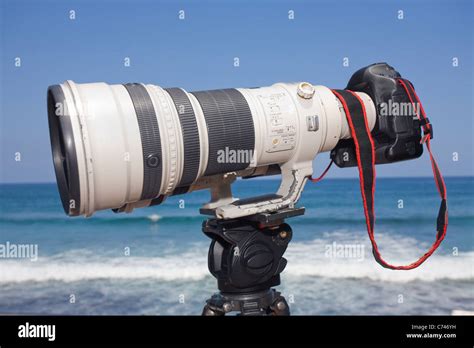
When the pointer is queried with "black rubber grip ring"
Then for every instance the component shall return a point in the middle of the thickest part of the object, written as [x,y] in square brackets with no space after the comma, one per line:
[189,128]
[230,129]
[64,152]
[151,142]
[180,190]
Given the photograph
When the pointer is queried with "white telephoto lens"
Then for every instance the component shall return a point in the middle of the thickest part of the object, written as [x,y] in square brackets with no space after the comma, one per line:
[125,146]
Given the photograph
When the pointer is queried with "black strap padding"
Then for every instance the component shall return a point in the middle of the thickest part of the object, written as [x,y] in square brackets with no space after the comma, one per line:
[151,141]
[230,130]
[189,128]
[363,138]
[441,219]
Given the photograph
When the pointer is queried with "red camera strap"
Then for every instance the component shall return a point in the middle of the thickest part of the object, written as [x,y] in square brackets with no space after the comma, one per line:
[365,154]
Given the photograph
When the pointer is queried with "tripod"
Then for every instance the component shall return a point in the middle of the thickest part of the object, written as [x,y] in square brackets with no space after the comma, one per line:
[246,258]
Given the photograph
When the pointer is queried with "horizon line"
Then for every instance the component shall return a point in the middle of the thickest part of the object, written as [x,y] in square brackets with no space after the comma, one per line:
[273,177]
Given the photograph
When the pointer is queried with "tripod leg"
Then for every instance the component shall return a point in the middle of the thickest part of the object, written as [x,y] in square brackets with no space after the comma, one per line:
[280,307]
[208,311]
[217,305]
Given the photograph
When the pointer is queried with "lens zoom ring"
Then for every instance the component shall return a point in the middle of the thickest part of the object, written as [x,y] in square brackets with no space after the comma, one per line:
[150,137]
[189,128]
[230,130]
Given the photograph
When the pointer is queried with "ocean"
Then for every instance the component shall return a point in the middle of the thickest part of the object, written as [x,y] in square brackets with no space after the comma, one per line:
[154,261]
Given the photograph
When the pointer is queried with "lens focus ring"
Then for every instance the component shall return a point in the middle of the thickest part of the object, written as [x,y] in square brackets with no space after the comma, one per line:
[230,129]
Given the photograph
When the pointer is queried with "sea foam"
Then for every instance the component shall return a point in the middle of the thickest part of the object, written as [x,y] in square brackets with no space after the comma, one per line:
[305,259]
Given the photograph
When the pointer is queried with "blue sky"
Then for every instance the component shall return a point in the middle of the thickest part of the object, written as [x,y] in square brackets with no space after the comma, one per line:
[197,53]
